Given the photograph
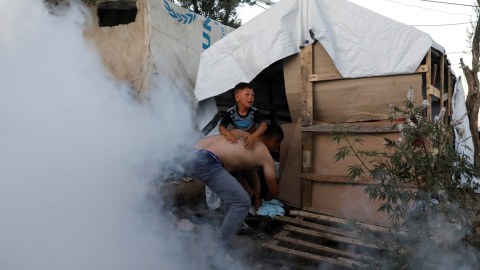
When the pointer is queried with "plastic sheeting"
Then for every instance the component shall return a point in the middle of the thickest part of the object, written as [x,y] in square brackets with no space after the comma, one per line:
[177,37]
[463,144]
[360,42]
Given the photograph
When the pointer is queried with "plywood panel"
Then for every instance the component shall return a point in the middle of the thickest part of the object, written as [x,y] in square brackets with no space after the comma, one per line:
[291,164]
[362,99]
[325,150]
[323,63]
[346,201]
[347,100]
[292,73]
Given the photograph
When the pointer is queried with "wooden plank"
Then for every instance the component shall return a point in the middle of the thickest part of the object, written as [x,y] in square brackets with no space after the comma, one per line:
[432,90]
[325,218]
[319,247]
[329,129]
[307,93]
[428,82]
[337,179]
[316,211]
[362,99]
[421,69]
[283,233]
[351,249]
[449,86]
[307,148]
[325,77]
[337,238]
[309,256]
[306,185]
[442,79]
[317,227]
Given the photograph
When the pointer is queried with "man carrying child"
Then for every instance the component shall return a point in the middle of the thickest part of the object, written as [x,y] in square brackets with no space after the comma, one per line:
[245,117]
[216,159]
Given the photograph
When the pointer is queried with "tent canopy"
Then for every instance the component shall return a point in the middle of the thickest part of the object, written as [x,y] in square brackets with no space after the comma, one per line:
[361,43]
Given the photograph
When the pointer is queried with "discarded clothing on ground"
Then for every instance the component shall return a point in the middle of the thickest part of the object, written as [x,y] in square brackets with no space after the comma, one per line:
[271,208]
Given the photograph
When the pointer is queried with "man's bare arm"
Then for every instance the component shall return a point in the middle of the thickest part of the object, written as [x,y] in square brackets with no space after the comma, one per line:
[256,189]
[270,177]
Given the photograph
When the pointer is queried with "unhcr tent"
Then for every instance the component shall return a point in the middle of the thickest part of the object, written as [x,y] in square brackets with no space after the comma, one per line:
[339,63]
[360,42]
[145,41]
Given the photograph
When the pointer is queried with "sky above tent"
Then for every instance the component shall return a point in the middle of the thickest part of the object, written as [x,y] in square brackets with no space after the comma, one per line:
[446,21]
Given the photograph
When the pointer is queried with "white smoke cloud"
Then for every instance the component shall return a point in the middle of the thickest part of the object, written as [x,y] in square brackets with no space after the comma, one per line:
[73,145]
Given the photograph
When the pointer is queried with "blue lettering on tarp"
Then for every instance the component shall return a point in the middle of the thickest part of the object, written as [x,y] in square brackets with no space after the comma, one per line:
[205,34]
[207,37]
[188,18]
[206,26]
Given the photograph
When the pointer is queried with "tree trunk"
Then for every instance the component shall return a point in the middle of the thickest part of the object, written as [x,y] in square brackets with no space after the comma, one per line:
[473,97]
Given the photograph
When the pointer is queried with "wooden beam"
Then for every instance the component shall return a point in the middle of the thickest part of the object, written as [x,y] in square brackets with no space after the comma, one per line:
[306,63]
[337,179]
[328,236]
[428,82]
[320,248]
[321,217]
[450,97]
[442,79]
[329,128]
[433,91]
[317,227]
[309,256]
[421,69]
[306,193]
[307,154]
[324,77]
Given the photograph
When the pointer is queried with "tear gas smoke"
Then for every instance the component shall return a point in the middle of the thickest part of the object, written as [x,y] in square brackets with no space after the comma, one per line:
[73,146]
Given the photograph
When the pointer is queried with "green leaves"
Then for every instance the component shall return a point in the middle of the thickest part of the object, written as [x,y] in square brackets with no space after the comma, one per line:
[90,2]
[421,166]
[222,11]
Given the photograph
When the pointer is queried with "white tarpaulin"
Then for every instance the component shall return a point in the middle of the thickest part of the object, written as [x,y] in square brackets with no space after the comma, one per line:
[464,143]
[361,43]
[177,38]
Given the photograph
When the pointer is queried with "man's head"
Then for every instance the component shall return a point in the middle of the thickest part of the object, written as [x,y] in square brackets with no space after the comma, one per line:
[272,137]
[244,95]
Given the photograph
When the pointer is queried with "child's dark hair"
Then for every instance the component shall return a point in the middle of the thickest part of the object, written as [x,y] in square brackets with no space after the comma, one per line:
[240,86]
[273,131]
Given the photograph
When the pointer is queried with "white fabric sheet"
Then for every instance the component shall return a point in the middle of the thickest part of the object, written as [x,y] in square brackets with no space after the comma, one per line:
[464,144]
[177,38]
[360,42]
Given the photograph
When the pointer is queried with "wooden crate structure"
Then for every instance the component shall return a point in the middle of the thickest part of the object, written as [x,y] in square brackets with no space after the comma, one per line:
[319,97]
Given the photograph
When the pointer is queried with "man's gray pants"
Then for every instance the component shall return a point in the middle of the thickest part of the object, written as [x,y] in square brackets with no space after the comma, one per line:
[207,168]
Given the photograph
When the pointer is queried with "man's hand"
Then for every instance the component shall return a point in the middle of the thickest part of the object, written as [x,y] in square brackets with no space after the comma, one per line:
[250,141]
[231,138]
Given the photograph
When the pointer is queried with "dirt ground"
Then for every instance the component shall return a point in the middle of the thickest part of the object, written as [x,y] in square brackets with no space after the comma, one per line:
[188,198]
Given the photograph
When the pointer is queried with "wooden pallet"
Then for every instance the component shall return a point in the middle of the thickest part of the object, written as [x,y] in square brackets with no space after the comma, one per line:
[323,239]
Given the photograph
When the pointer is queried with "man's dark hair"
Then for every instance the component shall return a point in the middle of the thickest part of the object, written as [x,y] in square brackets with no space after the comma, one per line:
[240,86]
[273,131]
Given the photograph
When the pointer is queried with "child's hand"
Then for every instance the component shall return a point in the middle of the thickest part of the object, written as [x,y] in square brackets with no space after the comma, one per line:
[250,141]
[231,138]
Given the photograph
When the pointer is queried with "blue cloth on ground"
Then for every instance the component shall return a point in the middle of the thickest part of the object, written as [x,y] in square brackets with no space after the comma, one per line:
[271,208]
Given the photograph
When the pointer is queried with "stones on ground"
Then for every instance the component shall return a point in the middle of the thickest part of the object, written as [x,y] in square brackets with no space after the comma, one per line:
[187,179]
[186,225]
